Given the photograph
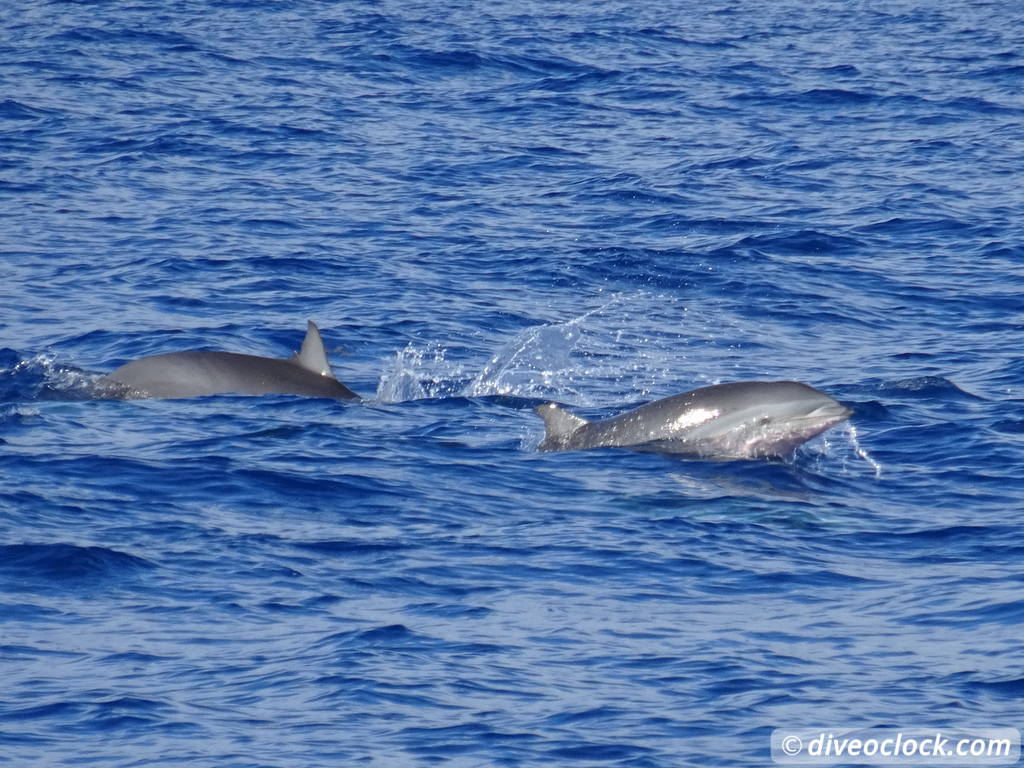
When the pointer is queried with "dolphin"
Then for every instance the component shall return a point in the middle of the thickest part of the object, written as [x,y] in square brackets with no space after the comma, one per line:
[195,373]
[739,420]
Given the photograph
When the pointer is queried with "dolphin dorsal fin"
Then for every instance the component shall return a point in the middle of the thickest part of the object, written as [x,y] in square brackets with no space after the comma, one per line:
[313,356]
[558,423]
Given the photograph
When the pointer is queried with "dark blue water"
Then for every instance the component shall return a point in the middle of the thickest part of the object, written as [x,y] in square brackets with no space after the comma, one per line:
[484,205]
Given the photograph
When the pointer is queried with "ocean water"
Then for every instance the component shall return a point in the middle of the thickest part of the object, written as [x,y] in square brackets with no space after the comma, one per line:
[485,206]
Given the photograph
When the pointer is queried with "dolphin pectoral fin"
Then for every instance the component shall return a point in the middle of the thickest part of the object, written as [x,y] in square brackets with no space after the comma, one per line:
[559,426]
[313,356]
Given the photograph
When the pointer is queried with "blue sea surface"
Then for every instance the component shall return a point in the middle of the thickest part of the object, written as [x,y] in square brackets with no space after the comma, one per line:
[486,206]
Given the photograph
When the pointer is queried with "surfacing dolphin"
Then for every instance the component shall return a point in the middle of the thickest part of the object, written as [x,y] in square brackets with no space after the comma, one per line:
[741,420]
[195,373]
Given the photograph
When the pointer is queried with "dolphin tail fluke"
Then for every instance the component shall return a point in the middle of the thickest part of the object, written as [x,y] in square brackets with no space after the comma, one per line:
[313,356]
[559,425]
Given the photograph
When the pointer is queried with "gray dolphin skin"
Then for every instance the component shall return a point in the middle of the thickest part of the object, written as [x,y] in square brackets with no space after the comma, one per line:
[740,420]
[195,373]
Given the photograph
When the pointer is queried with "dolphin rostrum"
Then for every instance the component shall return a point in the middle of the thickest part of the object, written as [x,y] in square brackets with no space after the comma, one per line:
[195,373]
[740,420]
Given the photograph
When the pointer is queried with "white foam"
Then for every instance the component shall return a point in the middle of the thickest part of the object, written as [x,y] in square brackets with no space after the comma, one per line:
[417,373]
[861,452]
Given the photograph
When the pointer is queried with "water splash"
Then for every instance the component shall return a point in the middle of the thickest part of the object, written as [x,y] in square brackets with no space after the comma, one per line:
[542,361]
[40,377]
[418,373]
[861,452]
[536,363]
[631,347]
[841,442]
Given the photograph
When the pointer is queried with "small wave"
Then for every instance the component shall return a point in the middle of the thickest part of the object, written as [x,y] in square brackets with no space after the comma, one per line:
[815,97]
[66,562]
[834,96]
[904,227]
[925,386]
[349,548]
[801,242]
[1009,613]
[1012,688]
[1011,73]
[1009,426]
[15,110]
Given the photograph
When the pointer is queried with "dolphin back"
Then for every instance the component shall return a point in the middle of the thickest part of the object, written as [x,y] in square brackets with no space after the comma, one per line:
[313,355]
[559,427]
[195,373]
